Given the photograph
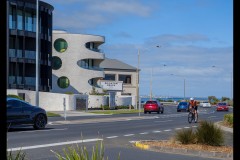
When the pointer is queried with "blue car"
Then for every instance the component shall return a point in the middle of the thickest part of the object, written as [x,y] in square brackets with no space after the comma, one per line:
[183,106]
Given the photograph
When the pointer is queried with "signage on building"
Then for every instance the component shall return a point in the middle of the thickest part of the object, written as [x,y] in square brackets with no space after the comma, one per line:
[112,85]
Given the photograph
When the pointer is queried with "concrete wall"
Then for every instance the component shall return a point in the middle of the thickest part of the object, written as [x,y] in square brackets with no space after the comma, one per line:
[96,101]
[54,101]
[123,100]
[50,101]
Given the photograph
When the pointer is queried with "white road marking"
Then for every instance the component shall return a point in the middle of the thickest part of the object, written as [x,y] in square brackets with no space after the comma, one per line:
[167,130]
[127,135]
[53,144]
[46,130]
[132,141]
[186,127]
[144,133]
[164,121]
[212,116]
[157,131]
[194,126]
[178,128]
[128,119]
[112,137]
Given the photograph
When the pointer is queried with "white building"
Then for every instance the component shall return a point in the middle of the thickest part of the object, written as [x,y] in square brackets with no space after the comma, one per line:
[75,62]
[79,65]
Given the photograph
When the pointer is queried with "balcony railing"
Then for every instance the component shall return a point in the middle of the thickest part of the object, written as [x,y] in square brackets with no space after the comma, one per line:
[31,81]
[28,54]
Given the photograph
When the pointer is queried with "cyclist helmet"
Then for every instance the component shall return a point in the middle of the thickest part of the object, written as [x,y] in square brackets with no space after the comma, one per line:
[191,98]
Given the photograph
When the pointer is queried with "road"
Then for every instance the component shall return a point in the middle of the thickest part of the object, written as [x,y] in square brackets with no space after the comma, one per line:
[117,131]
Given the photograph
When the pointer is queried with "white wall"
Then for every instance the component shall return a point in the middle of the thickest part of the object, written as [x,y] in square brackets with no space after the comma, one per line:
[95,101]
[54,101]
[50,101]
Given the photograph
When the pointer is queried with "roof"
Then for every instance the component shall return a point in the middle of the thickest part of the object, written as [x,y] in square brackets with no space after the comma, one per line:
[115,64]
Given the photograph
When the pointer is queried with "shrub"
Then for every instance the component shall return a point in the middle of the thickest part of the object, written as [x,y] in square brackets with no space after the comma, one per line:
[124,107]
[209,134]
[81,153]
[228,119]
[15,96]
[19,156]
[185,136]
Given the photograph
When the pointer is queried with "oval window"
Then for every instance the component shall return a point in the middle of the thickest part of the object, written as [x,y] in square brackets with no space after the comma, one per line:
[63,82]
[60,45]
[56,63]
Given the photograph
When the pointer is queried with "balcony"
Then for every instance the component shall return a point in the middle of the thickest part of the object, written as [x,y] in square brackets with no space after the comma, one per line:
[31,81]
[28,54]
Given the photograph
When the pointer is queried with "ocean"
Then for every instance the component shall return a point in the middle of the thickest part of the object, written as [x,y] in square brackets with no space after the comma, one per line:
[174,98]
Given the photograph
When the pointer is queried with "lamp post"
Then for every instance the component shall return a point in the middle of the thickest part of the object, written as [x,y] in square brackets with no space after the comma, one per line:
[37,56]
[138,101]
[184,85]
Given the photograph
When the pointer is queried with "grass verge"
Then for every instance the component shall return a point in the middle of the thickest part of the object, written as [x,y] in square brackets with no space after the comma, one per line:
[50,114]
[122,111]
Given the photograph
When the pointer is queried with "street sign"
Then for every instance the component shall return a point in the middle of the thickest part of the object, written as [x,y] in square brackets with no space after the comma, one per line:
[112,85]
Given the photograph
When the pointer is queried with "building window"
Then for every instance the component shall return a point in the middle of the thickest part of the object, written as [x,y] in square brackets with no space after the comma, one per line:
[12,18]
[60,45]
[125,78]
[109,77]
[56,63]
[63,82]
[19,19]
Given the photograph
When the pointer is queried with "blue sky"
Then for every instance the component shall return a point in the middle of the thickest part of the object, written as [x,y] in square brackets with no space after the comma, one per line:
[194,36]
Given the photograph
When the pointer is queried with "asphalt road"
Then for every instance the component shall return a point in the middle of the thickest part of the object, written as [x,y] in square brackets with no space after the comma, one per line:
[117,131]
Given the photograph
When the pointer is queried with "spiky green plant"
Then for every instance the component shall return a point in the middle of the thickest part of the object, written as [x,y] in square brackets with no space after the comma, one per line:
[185,136]
[19,156]
[209,134]
[81,153]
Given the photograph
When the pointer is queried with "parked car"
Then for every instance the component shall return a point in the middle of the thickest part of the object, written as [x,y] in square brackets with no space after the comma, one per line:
[20,112]
[153,106]
[222,106]
[183,106]
[205,104]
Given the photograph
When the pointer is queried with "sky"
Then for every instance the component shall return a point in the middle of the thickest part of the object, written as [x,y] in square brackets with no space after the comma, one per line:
[195,39]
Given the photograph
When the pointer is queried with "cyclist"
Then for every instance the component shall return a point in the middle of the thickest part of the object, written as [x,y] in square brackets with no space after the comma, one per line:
[193,104]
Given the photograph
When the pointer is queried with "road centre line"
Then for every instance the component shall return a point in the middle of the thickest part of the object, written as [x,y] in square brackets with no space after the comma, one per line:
[178,128]
[112,137]
[167,130]
[144,133]
[127,135]
[54,144]
[186,127]
[46,130]
[157,131]
[164,121]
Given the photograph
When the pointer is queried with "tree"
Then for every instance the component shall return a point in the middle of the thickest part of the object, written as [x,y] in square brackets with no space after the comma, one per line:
[225,99]
[212,99]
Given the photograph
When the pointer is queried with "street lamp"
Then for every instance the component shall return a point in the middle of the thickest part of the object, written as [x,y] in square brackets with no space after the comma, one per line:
[37,56]
[184,86]
[138,101]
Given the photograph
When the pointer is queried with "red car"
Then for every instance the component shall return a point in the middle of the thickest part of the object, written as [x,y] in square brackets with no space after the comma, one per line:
[153,106]
[222,106]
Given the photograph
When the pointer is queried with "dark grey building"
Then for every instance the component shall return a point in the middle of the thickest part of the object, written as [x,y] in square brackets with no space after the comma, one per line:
[21,45]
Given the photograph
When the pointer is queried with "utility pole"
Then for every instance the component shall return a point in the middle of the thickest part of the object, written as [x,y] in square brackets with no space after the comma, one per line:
[37,56]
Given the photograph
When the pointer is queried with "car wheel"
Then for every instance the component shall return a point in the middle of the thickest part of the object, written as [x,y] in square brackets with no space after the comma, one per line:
[158,112]
[149,112]
[40,122]
[145,112]
[178,110]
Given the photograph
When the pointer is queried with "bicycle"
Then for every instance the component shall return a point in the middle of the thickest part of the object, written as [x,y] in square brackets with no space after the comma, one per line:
[191,116]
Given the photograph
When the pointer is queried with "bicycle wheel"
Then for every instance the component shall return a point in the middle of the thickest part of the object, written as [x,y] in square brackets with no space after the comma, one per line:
[190,117]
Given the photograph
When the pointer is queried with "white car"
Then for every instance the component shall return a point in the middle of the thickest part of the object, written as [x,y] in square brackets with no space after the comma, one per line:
[205,104]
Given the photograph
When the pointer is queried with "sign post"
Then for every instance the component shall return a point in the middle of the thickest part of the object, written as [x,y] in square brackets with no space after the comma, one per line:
[64,108]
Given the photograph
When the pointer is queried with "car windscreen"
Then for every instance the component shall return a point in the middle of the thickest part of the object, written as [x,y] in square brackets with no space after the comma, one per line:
[183,103]
[222,104]
[151,102]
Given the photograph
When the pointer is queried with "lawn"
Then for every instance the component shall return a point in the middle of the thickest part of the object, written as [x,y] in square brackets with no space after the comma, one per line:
[50,114]
[120,111]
